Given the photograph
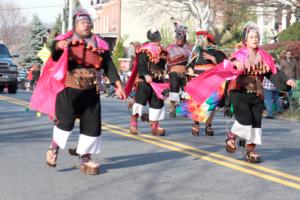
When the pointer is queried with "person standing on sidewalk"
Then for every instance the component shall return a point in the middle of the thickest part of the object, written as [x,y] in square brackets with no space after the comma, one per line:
[36,72]
[271,96]
[289,65]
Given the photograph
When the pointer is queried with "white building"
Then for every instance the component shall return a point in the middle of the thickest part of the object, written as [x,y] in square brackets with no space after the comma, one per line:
[272,20]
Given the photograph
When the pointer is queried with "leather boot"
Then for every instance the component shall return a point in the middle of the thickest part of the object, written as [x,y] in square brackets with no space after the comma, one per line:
[209,131]
[196,129]
[251,155]
[230,142]
[87,166]
[133,124]
[156,129]
[51,157]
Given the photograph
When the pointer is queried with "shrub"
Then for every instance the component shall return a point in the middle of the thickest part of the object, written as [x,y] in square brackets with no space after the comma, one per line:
[119,50]
[292,33]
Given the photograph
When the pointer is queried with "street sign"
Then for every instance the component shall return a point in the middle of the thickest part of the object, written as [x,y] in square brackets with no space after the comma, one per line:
[44,54]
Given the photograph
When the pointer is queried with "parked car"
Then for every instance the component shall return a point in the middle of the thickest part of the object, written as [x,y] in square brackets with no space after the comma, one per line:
[8,71]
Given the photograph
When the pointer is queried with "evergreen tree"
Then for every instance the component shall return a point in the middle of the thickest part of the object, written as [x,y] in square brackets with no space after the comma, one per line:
[119,50]
[55,30]
[34,43]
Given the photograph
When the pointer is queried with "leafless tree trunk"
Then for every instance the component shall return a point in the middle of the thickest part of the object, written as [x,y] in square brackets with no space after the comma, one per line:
[219,15]
[201,10]
[12,26]
[207,14]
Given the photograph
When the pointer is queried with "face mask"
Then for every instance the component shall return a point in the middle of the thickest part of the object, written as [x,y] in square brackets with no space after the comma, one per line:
[202,41]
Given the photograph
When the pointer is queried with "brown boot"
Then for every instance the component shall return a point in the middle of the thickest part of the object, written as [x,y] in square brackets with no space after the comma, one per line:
[87,166]
[196,129]
[251,155]
[209,131]
[145,117]
[156,129]
[51,157]
[73,152]
[230,142]
[133,124]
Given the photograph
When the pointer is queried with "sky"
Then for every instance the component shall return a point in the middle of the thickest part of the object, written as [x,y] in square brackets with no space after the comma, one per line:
[47,10]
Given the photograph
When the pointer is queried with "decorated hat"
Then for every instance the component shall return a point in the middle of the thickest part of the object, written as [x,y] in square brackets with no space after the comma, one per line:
[249,28]
[204,31]
[81,15]
[153,35]
[180,30]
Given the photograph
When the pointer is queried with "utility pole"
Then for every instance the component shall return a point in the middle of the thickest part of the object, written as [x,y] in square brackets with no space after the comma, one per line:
[71,9]
[63,18]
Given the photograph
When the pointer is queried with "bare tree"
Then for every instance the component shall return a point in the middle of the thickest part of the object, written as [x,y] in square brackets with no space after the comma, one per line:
[276,4]
[203,11]
[216,15]
[223,17]
[12,26]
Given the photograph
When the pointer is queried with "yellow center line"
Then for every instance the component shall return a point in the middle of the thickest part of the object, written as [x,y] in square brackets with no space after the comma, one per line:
[216,155]
[189,150]
[209,159]
[16,101]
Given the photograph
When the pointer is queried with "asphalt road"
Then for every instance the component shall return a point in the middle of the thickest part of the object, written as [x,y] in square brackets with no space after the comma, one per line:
[178,166]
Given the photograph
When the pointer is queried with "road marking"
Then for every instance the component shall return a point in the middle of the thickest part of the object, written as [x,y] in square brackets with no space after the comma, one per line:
[16,101]
[216,155]
[195,152]
[209,159]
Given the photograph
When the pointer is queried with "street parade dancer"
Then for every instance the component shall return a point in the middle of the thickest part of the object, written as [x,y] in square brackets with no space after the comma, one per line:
[149,65]
[246,92]
[178,55]
[204,56]
[246,70]
[68,90]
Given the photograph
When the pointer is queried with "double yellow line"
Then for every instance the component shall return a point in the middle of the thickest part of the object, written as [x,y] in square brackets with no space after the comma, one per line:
[253,169]
[15,101]
[218,159]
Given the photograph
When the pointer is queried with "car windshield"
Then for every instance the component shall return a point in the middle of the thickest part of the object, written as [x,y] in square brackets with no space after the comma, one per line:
[4,52]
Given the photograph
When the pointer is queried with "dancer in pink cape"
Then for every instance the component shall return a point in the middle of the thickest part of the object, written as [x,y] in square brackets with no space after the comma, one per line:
[68,90]
[149,67]
[246,70]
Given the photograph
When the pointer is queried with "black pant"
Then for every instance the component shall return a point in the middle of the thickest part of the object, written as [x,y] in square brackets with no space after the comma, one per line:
[247,107]
[84,104]
[145,94]
[177,82]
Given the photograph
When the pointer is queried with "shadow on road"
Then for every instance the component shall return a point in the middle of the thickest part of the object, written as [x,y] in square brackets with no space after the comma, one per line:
[140,159]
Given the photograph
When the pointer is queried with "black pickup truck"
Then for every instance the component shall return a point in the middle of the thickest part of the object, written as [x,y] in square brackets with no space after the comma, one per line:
[8,71]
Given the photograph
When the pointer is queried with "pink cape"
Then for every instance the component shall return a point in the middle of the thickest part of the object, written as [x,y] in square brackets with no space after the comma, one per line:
[130,82]
[52,79]
[201,87]
[159,88]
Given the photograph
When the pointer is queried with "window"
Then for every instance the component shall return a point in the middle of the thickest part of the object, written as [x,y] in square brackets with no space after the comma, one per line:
[4,52]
